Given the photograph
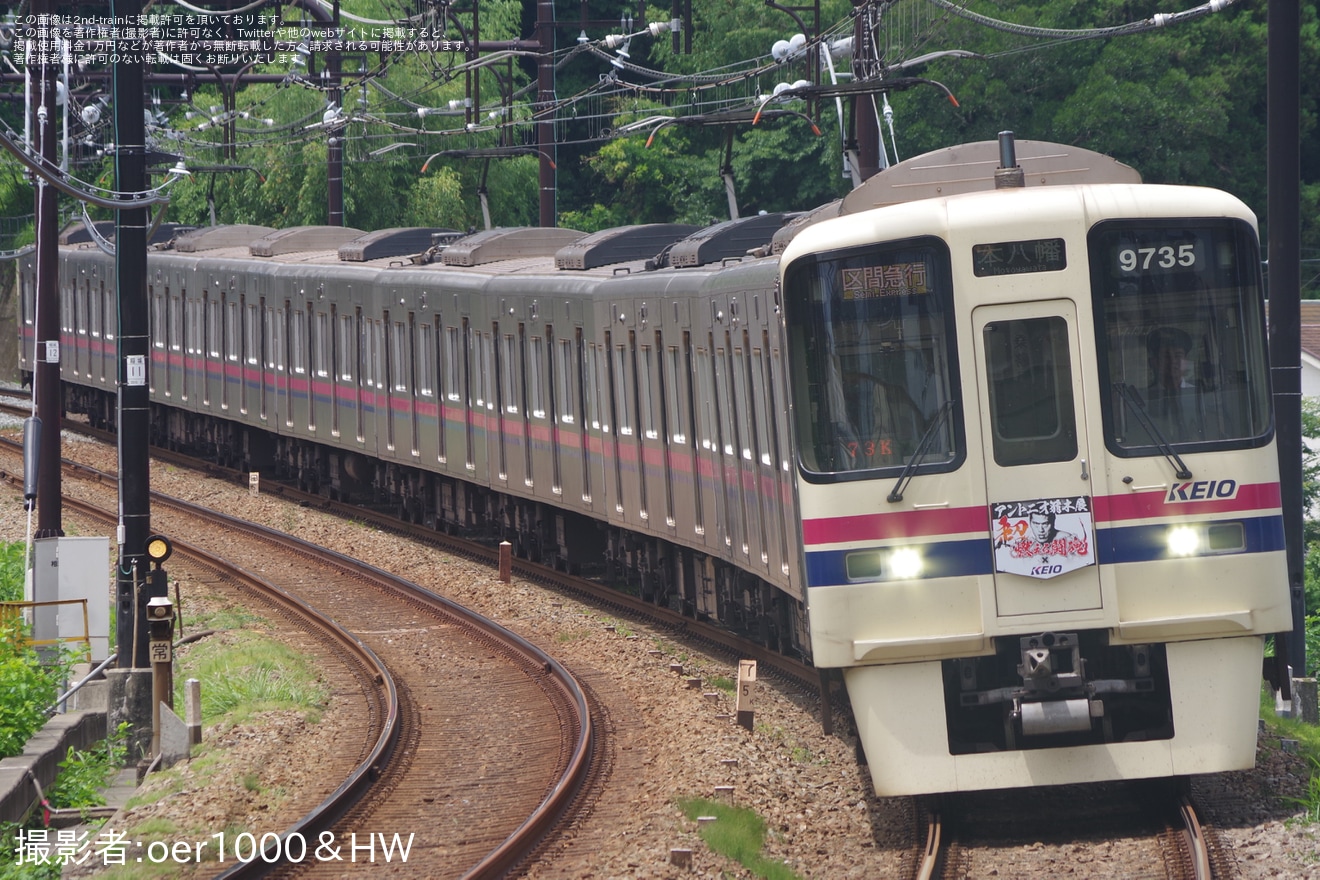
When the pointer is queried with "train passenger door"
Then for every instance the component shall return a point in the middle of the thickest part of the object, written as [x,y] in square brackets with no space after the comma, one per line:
[1038,458]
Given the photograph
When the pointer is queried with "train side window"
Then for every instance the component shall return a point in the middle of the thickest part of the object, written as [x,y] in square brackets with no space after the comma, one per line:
[535,392]
[398,355]
[1032,417]
[674,397]
[344,350]
[157,319]
[252,334]
[174,338]
[425,369]
[623,400]
[453,356]
[508,376]
[212,327]
[321,345]
[591,397]
[563,377]
[107,308]
[645,411]
[94,315]
[27,301]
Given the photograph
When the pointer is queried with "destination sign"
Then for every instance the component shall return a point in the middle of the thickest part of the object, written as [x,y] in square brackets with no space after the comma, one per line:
[1019,257]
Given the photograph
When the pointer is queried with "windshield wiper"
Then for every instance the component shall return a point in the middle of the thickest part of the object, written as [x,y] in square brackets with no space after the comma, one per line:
[919,455]
[1130,397]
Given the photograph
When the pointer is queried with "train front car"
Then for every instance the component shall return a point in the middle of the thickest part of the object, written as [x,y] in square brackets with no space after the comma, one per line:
[1041,525]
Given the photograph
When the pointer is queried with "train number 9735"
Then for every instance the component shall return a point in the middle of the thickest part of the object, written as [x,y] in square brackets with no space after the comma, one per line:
[1163,257]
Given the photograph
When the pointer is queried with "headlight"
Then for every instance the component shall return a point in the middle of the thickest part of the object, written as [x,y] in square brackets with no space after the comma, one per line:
[905,563]
[1184,541]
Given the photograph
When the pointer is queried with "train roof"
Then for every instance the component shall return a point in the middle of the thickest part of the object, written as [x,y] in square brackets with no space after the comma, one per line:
[523,250]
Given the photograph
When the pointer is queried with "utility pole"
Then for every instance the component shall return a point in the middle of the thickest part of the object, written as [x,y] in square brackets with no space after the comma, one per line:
[1283,169]
[130,690]
[545,99]
[46,373]
[335,139]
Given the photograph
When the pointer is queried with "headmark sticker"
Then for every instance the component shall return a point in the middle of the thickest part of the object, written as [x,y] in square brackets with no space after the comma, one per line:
[1044,537]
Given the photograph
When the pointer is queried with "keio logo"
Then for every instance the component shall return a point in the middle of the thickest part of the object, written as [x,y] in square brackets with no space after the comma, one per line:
[1202,490]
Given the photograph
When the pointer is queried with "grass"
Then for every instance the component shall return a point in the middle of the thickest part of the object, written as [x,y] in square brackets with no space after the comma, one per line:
[1307,737]
[249,673]
[738,834]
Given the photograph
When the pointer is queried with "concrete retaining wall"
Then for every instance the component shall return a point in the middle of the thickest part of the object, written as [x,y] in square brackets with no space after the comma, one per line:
[42,757]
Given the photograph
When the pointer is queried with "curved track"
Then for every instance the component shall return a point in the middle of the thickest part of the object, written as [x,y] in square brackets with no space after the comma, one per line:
[542,715]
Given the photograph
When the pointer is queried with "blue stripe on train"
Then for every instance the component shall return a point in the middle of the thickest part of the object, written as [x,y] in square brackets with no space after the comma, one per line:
[1124,544]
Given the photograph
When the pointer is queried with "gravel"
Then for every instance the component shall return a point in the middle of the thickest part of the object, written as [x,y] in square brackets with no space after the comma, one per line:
[673,741]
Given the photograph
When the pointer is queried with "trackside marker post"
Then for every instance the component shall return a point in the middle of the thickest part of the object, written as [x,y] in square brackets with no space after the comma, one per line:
[506,561]
[746,681]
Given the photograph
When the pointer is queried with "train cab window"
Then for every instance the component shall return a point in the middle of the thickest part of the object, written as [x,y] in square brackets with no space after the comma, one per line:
[1032,419]
[1180,335]
[872,360]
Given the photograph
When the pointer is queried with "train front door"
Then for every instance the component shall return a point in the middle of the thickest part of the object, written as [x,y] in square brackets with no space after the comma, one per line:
[1035,443]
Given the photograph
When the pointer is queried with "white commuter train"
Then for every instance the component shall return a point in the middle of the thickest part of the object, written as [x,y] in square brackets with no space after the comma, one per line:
[1003,456]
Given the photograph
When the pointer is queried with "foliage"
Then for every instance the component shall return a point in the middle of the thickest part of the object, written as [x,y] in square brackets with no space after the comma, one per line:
[738,834]
[11,869]
[1310,802]
[26,687]
[1311,529]
[13,569]
[83,774]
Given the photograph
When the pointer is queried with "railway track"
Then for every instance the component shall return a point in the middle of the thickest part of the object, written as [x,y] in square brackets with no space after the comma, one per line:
[937,849]
[1027,831]
[790,669]
[526,709]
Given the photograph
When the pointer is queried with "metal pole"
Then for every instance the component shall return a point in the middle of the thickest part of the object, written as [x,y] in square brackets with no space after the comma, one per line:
[545,99]
[47,366]
[335,144]
[134,353]
[1284,254]
[866,128]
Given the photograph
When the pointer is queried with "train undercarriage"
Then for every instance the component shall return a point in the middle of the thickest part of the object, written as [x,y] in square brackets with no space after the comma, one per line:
[1055,689]
[682,579]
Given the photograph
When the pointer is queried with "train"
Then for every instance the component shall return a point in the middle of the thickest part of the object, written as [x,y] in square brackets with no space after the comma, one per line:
[992,434]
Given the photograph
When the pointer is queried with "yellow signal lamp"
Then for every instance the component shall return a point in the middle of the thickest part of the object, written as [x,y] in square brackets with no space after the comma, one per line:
[159,548]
